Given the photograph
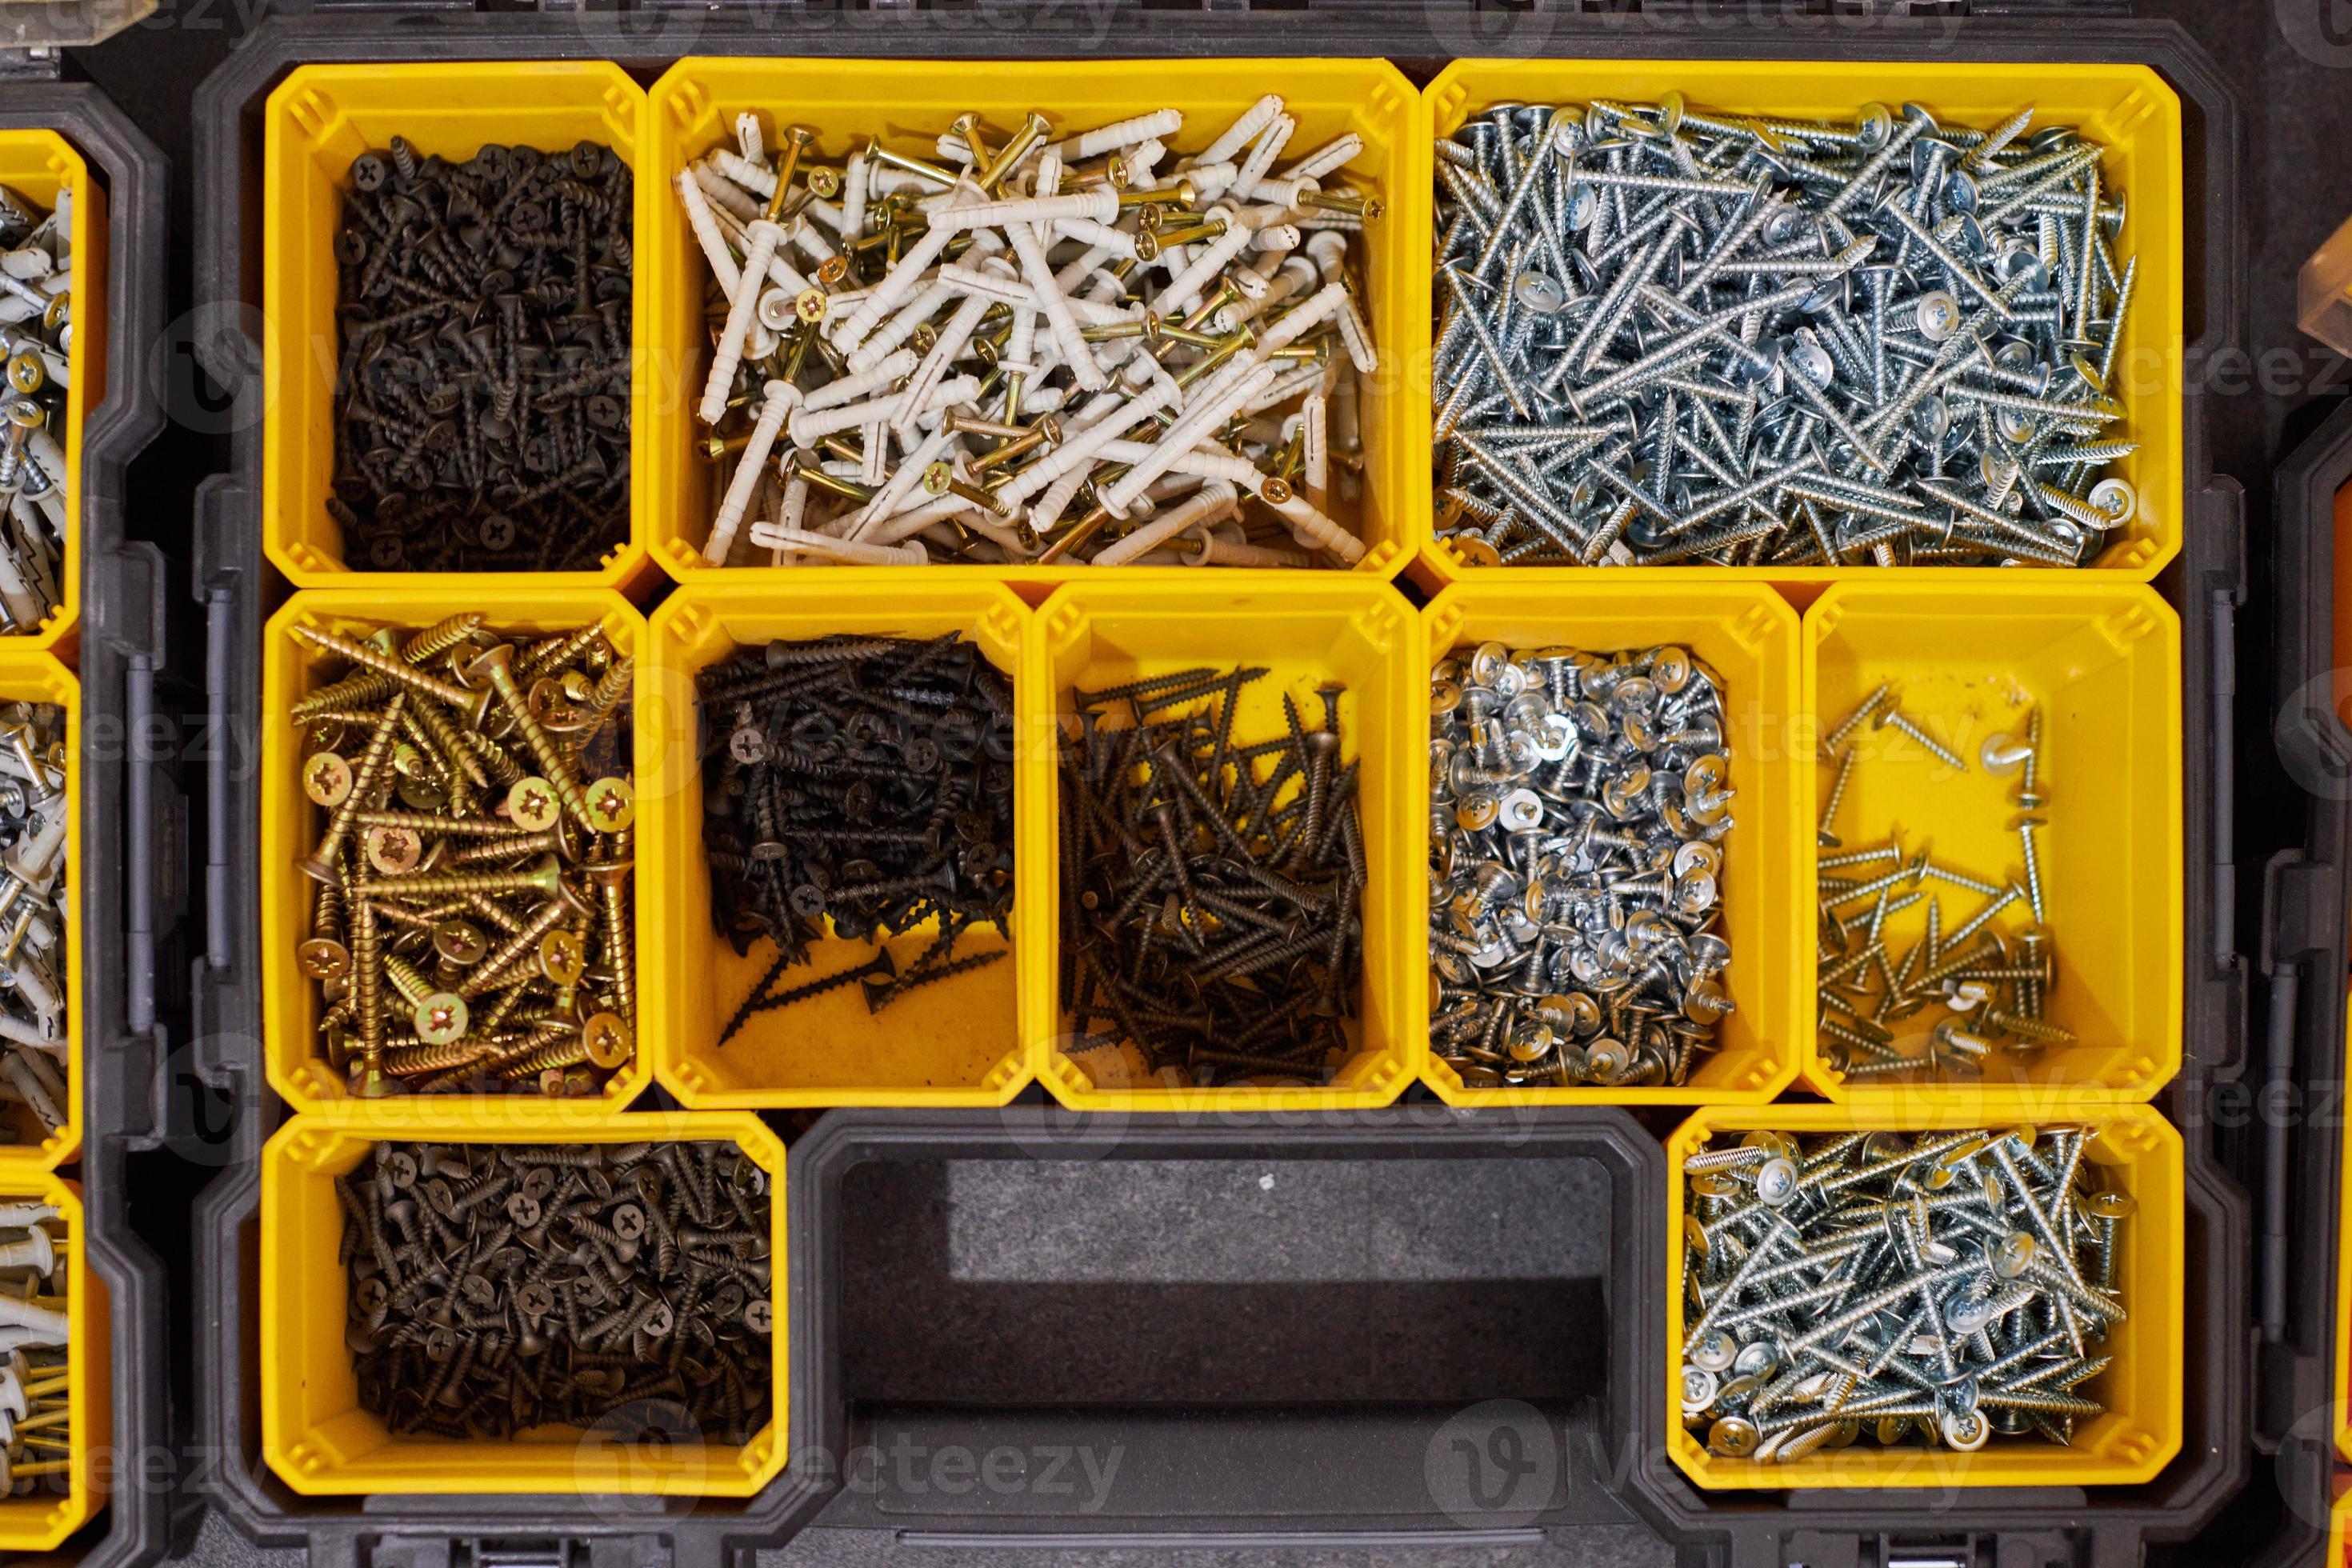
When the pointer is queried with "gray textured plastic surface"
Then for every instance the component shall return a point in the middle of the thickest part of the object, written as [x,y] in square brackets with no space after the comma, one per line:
[130,805]
[1278,1484]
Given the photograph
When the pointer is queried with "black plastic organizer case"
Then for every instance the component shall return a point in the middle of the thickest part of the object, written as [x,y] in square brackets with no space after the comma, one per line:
[2251,1484]
[134,836]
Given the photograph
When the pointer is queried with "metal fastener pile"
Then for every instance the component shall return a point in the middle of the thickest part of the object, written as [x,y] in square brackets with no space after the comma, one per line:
[471,926]
[862,786]
[1937,1288]
[496,1288]
[35,1349]
[35,901]
[1578,806]
[1021,347]
[1985,985]
[37,333]
[1211,883]
[1674,337]
[482,405]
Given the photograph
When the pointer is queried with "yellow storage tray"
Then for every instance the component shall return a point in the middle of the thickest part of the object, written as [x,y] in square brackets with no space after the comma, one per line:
[1309,629]
[27,675]
[693,109]
[1748,634]
[957,1043]
[2136,1150]
[314,1432]
[2103,659]
[316,120]
[38,1521]
[41,165]
[290,825]
[2343,1408]
[2130,108]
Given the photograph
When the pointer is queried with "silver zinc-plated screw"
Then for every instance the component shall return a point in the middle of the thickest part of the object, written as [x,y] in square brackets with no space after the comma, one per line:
[1793,344]
[1579,805]
[1853,1287]
[1922,1000]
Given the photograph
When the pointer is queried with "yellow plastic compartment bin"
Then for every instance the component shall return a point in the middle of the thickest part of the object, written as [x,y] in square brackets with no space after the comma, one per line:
[318,119]
[958,1043]
[2102,660]
[2133,1148]
[40,1521]
[1748,634]
[2343,1414]
[42,166]
[290,825]
[905,103]
[322,1443]
[2129,108]
[27,675]
[1309,630]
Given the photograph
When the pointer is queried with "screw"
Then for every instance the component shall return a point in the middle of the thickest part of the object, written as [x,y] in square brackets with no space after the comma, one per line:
[1880,377]
[486,411]
[434,849]
[1103,268]
[472,1348]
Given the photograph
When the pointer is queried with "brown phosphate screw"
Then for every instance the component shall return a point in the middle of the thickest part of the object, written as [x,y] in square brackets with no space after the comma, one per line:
[482,917]
[614,1317]
[1203,910]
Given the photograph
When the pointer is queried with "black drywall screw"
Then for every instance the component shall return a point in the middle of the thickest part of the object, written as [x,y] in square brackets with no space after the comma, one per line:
[486,303]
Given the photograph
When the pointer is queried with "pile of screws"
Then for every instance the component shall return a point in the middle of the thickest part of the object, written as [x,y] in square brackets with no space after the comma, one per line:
[36,1348]
[472,926]
[1577,804]
[1988,995]
[1016,349]
[1210,905]
[34,905]
[1676,337]
[496,1288]
[37,336]
[482,410]
[863,785]
[1942,1289]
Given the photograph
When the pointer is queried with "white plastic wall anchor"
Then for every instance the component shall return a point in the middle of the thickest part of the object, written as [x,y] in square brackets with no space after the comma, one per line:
[1241,131]
[1119,134]
[853,194]
[849,552]
[1058,320]
[901,484]
[807,428]
[780,397]
[1101,236]
[1231,387]
[1211,501]
[1329,159]
[1214,550]
[1313,312]
[706,235]
[857,383]
[1182,294]
[1077,451]
[1101,206]
[765,237]
[1308,526]
[1261,155]
[1202,462]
